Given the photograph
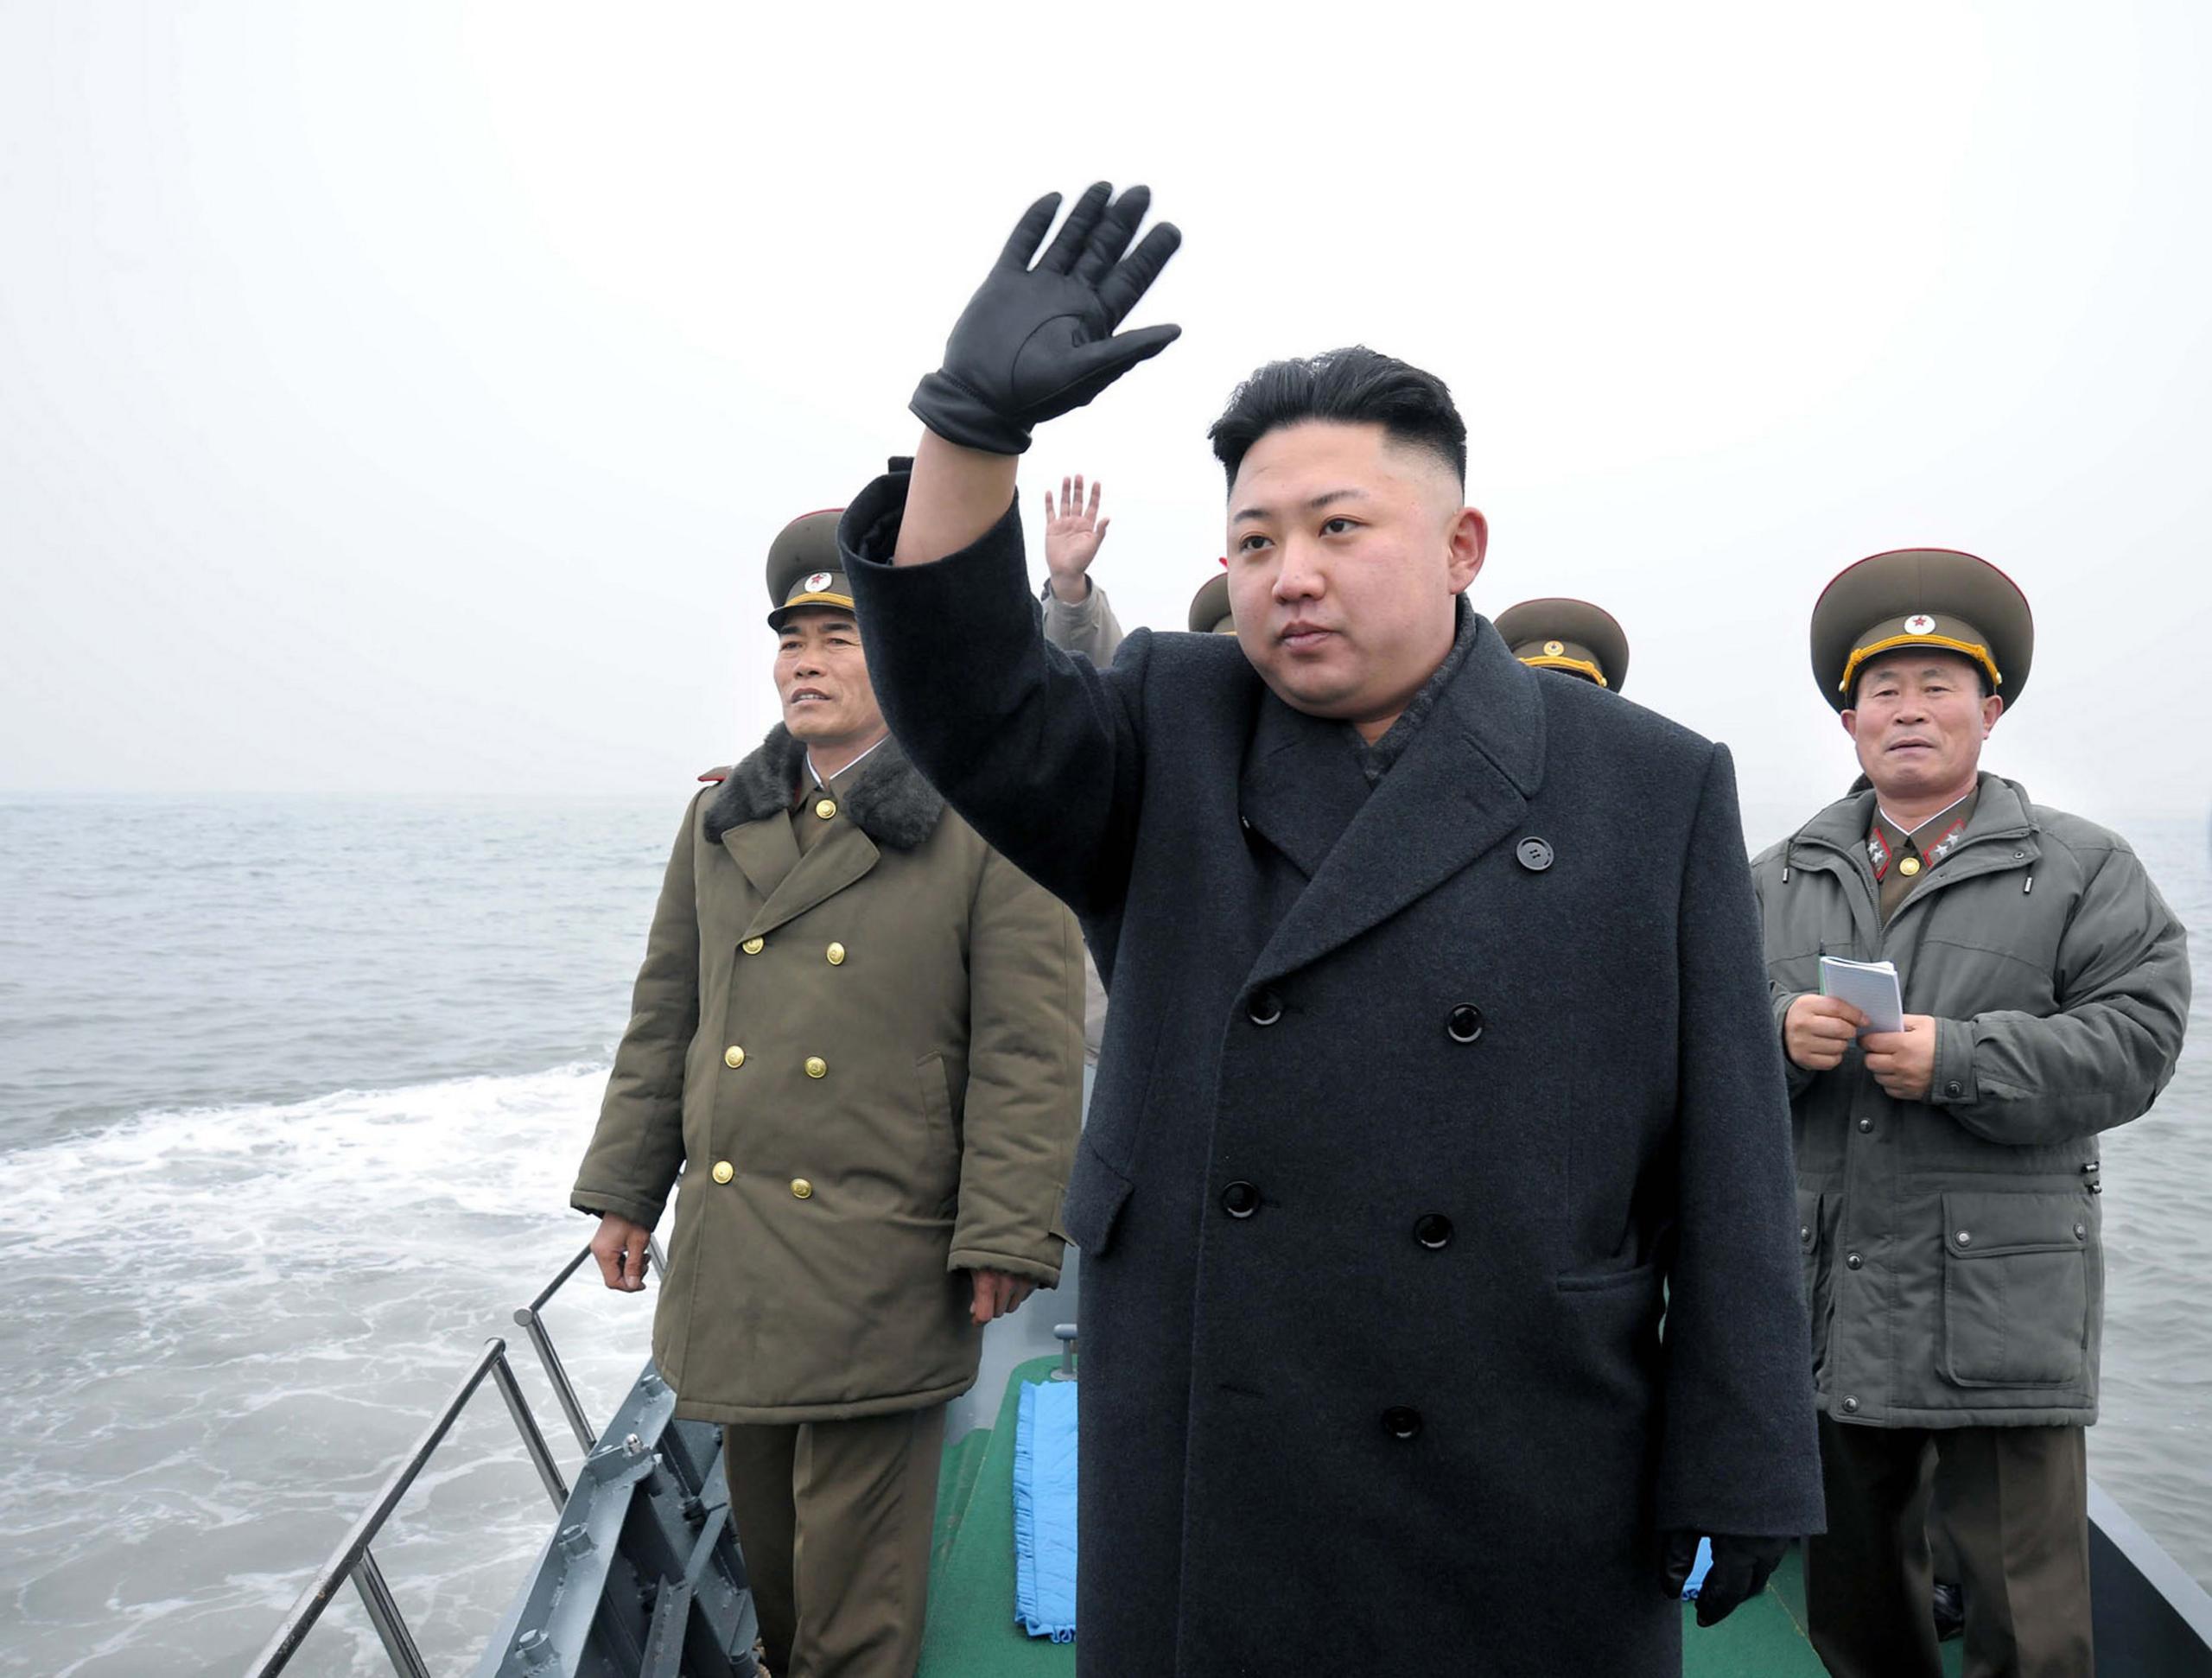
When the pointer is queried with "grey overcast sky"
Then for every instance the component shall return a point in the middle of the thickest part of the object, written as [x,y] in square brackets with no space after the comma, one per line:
[402,397]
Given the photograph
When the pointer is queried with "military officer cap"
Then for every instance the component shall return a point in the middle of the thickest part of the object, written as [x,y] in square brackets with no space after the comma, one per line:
[1209,609]
[1930,597]
[1574,636]
[805,568]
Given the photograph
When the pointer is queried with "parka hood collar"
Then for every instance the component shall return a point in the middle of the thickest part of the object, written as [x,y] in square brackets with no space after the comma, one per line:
[890,801]
[2001,806]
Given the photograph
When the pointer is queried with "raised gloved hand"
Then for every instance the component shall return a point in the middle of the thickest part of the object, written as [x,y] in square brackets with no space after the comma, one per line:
[1035,342]
[1741,1567]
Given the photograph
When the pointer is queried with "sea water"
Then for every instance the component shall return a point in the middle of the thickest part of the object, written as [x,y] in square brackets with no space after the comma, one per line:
[291,1093]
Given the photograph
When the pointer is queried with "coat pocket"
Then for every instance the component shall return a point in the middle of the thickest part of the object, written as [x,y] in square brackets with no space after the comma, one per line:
[2015,1289]
[1096,1193]
[938,1178]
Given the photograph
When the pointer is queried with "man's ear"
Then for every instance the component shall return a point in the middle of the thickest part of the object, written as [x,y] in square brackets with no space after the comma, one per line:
[1466,542]
[1992,709]
[1850,721]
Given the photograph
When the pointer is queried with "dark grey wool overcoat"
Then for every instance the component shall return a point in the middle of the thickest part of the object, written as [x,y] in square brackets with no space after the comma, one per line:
[1413,1105]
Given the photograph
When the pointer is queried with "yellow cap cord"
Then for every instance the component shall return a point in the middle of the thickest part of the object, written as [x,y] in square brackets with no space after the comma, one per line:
[1972,650]
[1546,661]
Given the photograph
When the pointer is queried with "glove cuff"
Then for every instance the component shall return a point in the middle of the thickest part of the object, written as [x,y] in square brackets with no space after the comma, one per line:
[955,414]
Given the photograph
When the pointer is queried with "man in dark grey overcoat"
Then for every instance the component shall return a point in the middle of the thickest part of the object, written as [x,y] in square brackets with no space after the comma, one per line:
[1439,1062]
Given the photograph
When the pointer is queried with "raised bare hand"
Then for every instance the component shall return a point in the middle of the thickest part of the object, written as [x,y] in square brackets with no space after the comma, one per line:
[1073,533]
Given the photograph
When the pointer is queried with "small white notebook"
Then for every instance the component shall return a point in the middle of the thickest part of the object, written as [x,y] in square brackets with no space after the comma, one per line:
[1869,987]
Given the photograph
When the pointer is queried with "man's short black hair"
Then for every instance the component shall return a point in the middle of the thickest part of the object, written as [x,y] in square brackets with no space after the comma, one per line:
[1352,386]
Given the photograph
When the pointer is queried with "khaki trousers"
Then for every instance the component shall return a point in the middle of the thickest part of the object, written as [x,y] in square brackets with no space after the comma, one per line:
[834,1519]
[2016,1501]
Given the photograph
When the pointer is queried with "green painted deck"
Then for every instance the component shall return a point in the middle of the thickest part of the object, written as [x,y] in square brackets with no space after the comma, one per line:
[972,1633]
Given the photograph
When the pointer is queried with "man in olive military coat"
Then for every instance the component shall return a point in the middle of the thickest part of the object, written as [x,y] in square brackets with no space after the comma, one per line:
[1438,1063]
[857,1038]
[1948,1175]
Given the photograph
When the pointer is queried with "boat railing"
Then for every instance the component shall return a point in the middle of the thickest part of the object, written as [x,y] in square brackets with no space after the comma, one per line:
[354,1559]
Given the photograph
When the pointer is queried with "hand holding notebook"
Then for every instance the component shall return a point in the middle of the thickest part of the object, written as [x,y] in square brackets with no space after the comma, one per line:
[1869,987]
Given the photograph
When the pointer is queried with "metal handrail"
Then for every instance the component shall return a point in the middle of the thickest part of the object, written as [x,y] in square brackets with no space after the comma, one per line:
[529,1319]
[355,1560]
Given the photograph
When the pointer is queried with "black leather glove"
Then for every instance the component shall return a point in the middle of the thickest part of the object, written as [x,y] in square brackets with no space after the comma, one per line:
[1741,1567]
[1035,342]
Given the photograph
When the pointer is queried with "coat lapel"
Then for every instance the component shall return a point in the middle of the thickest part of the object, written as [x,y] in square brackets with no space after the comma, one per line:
[841,857]
[1461,786]
[764,851]
[1301,785]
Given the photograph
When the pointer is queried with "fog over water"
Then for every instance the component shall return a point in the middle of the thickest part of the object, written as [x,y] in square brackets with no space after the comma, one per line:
[403,397]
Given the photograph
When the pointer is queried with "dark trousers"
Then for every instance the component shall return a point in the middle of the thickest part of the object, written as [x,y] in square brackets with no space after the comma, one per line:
[834,1519]
[2016,1500]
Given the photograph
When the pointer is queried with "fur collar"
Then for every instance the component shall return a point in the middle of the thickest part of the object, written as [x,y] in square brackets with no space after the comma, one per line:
[889,802]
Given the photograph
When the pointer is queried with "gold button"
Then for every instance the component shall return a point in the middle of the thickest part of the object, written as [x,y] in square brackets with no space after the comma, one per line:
[1910,866]
[816,1066]
[753,946]
[724,1171]
[732,1056]
[836,955]
[826,808]
[801,1189]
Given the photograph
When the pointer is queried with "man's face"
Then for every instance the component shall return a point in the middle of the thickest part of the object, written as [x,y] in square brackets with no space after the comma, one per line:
[1345,549]
[822,678]
[1917,722]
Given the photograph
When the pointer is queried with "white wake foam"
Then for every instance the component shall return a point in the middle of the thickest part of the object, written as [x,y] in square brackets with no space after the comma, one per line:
[228,1322]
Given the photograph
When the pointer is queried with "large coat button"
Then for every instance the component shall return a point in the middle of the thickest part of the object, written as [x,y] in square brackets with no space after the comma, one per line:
[1535,855]
[1465,1024]
[1265,1007]
[1400,1422]
[1432,1230]
[1240,1199]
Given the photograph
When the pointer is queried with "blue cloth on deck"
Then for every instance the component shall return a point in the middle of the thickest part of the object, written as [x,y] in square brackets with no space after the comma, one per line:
[1044,1510]
[1698,1569]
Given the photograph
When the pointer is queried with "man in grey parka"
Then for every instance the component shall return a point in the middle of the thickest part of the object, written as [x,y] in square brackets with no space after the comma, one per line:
[1947,1173]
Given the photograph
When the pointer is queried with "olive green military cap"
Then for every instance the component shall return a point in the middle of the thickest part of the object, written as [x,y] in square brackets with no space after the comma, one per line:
[805,568]
[1210,609]
[1568,635]
[1930,597]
